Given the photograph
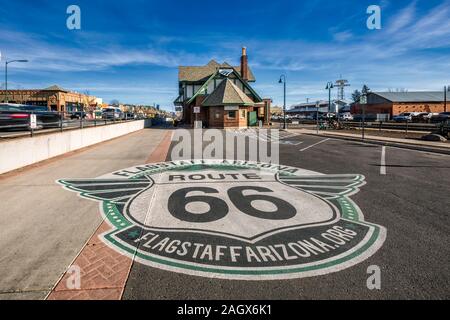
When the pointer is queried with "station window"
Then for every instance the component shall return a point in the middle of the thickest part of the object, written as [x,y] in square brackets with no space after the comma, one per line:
[232,114]
[242,114]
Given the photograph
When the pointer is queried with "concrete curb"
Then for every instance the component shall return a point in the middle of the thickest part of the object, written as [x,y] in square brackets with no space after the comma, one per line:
[385,143]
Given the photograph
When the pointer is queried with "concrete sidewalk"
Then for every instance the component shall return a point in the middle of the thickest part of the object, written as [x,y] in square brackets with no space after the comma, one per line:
[438,147]
[44,227]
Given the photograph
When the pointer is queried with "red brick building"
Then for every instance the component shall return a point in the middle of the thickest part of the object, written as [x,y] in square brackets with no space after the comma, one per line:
[220,95]
[394,103]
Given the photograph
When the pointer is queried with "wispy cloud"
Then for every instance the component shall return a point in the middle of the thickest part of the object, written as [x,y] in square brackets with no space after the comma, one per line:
[410,51]
[94,54]
[403,19]
[342,36]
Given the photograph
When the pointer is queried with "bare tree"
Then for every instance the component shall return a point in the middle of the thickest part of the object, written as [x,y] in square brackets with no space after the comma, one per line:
[356,95]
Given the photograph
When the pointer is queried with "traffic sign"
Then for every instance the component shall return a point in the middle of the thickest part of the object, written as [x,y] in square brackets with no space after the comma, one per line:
[33,121]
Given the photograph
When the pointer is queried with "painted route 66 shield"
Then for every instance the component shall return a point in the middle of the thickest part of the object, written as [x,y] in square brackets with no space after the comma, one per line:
[233,219]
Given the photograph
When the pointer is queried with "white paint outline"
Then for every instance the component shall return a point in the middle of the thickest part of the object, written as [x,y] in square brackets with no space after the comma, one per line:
[375,246]
[383,161]
[315,144]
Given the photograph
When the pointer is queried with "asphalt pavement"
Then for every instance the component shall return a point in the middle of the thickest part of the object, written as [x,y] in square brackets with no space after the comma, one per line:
[403,193]
[410,200]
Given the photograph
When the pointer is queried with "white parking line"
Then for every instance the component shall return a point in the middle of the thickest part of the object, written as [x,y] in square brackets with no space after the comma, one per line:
[315,144]
[288,135]
[383,161]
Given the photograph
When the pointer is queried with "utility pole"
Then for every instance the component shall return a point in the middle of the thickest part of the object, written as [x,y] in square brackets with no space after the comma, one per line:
[363,103]
[329,87]
[6,76]
[6,82]
[283,81]
[445,98]
[317,116]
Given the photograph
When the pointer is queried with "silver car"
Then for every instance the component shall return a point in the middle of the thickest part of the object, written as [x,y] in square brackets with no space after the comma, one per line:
[112,114]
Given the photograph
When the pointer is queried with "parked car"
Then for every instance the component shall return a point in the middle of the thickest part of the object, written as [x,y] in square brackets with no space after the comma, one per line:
[346,116]
[129,116]
[330,115]
[18,117]
[444,128]
[78,115]
[403,117]
[420,117]
[112,114]
[441,117]
[430,115]
[368,117]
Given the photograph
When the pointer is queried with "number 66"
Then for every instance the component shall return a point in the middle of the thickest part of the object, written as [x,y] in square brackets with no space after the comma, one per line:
[219,208]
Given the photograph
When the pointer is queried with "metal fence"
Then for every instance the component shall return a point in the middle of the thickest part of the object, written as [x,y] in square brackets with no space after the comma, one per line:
[54,122]
[392,129]
[425,127]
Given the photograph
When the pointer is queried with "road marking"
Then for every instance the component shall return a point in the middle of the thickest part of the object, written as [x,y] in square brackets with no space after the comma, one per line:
[292,143]
[288,135]
[315,144]
[383,161]
[232,250]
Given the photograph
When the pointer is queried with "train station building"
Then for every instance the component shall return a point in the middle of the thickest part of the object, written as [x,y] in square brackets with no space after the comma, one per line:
[221,96]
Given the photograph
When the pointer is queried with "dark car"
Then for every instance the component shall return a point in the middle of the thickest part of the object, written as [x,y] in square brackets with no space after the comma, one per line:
[444,128]
[368,117]
[78,115]
[421,117]
[18,117]
[441,117]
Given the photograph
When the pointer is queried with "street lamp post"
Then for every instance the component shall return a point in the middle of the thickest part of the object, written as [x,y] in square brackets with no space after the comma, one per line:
[329,87]
[363,102]
[6,76]
[317,116]
[445,98]
[283,81]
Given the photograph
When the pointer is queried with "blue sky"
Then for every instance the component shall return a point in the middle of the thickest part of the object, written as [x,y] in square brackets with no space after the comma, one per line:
[130,50]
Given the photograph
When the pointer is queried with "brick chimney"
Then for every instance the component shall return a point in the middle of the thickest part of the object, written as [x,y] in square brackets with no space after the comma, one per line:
[244,64]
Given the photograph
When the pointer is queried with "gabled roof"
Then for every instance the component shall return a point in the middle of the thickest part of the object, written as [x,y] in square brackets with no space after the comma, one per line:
[55,88]
[202,73]
[413,96]
[205,85]
[178,101]
[227,93]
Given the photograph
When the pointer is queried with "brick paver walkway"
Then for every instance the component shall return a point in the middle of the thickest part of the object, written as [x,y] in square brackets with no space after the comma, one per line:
[103,271]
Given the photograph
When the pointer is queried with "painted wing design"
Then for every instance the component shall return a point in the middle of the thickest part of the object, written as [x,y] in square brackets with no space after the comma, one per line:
[118,191]
[326,186]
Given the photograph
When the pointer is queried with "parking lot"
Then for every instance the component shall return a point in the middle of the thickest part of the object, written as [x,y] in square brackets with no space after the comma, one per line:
[16,120]
[398,198]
